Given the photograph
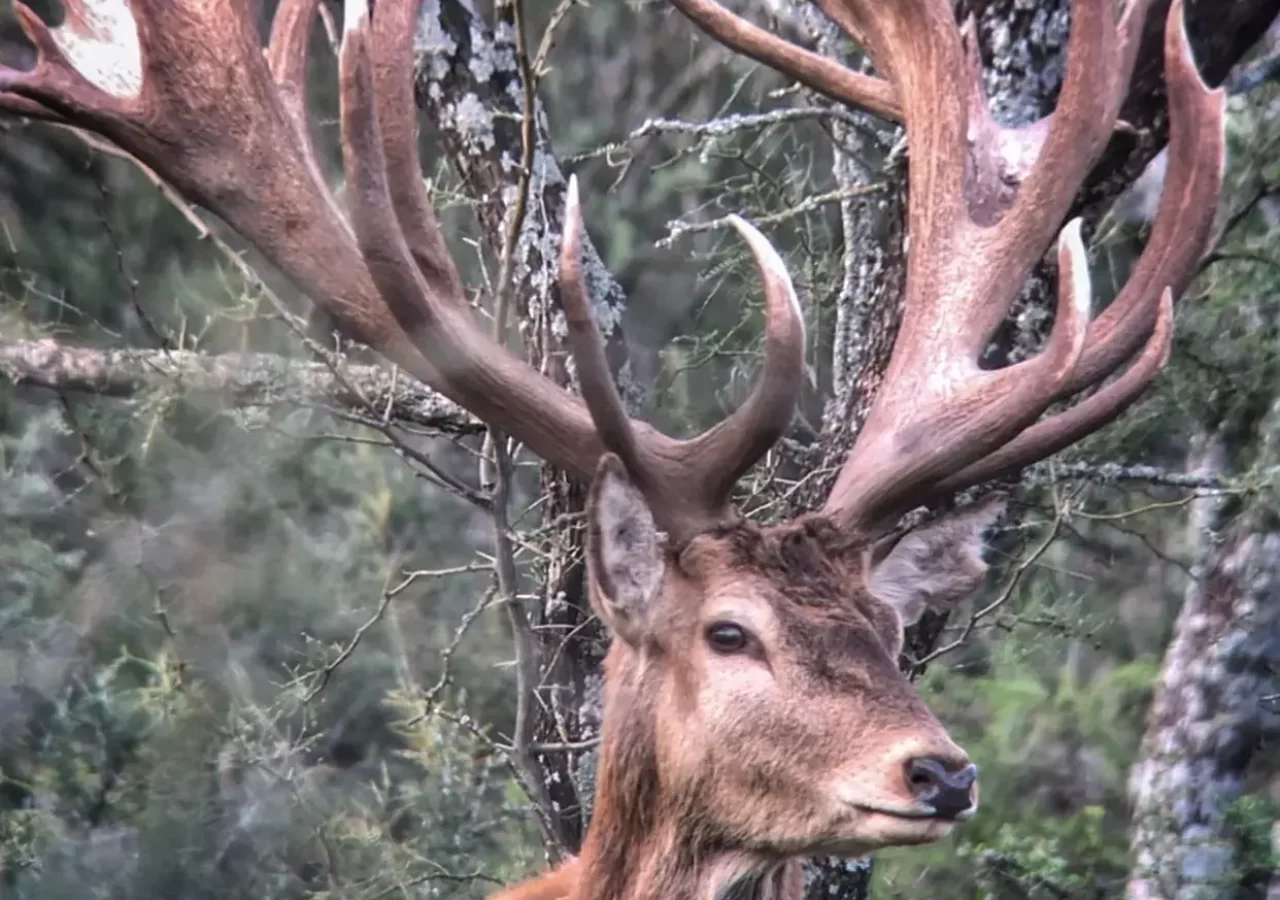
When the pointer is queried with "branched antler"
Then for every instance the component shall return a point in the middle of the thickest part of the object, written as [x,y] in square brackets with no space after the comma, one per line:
[185,87]
[940,423]
[984,201]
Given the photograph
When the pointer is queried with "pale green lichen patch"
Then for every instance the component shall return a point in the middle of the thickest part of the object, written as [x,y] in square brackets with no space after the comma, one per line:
[432,43]
[473,121]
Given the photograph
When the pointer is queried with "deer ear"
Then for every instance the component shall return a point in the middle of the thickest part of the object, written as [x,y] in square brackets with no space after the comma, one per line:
[624,552]
[936,565]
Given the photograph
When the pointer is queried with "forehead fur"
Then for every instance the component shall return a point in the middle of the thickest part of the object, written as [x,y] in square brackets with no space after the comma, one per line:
[813,561]
[842,635]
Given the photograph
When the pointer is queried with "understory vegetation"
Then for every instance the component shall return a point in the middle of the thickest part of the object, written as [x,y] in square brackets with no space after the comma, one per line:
[251,639]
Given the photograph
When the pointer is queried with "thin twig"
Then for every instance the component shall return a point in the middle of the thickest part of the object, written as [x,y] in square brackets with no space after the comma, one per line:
[327,672]
[496,466]
[676,229]
[1003,597]
[1105,473]
[716,128]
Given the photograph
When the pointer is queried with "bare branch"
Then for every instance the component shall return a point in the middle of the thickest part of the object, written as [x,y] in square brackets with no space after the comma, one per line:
[676,230]
[1109,473]
[243,379]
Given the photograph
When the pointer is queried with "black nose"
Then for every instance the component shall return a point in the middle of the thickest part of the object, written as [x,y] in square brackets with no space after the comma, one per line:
[949,790]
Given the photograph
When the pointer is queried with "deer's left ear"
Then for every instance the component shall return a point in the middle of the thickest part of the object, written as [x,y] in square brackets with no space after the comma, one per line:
[937,565]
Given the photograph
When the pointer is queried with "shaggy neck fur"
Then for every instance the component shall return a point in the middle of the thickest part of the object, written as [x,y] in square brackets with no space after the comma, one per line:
[652,841]
[643,846]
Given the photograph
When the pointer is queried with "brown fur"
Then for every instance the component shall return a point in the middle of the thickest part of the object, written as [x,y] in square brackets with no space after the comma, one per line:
[719,772]
[558,884]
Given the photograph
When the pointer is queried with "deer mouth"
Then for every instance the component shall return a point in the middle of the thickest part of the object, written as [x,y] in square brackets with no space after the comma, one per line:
[922,812]
[869,825]
[899,812]
[869,828]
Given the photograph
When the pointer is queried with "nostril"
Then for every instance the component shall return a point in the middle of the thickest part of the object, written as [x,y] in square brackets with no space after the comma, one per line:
[942,784]
[925,777]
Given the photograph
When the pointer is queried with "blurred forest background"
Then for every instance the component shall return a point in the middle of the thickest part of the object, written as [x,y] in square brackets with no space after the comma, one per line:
[251,639]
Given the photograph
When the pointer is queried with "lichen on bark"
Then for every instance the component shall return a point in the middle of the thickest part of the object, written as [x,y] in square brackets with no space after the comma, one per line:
[468,82]
[1214,707]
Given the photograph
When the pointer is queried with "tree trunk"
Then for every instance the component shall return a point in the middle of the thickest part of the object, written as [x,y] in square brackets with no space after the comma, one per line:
[1216,703]
[1215,706]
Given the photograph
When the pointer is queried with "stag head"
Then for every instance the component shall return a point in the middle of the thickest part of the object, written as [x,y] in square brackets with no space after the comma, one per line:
[754,679]
[754,708]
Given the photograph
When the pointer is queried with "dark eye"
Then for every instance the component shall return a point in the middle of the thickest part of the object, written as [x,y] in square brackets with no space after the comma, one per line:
[726,637]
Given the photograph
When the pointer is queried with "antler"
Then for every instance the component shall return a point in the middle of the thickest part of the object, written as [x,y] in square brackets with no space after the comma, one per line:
[184,86]
[983,204]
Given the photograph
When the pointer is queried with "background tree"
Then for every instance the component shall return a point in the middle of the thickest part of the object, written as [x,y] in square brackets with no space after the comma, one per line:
[253,638]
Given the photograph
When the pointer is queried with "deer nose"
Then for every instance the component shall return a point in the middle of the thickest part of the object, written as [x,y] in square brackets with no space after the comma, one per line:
[944,784]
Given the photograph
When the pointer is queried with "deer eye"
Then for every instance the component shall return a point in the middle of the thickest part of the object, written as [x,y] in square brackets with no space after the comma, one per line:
[726,637]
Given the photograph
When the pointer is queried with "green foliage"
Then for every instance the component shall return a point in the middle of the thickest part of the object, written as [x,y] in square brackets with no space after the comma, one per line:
[1054,736]
[210,685]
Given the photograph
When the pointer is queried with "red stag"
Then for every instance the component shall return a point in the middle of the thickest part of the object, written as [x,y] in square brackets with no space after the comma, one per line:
[755,712]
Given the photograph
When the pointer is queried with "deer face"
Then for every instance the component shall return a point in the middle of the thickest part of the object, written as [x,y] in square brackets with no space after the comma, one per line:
[764,661]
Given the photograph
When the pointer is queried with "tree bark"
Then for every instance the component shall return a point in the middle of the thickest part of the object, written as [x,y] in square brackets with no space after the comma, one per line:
[1216,700]
[241,380]
[1214,709]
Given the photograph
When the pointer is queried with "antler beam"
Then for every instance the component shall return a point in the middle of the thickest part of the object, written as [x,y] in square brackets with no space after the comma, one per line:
[185,88]
[983,203]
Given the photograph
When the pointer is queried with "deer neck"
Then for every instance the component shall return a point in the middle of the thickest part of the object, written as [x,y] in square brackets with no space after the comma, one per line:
[644,844]
[660,870]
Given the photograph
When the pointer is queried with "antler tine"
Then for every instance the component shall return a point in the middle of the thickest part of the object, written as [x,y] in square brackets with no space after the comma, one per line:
[1184,219]
[466,364]
[810,69]
[287,58]
[196,101]
[979,218]
[684,480]
[586,345]
[1143,310]
[394,26]
[183,88]
[1100,58]
[1062,430]
[687,483]
[912,434]
[721,455]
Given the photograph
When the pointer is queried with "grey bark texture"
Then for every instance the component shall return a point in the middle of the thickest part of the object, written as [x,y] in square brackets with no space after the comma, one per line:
[241,381]
[1215,709]
[469,87]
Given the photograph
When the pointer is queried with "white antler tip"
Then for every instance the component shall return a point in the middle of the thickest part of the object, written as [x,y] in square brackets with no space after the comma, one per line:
[1071,253]
[571,196]
[769,260]
[762,248]
[355,15]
